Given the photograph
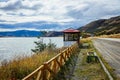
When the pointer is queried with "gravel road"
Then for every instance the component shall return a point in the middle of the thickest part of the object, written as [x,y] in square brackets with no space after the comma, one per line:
[110,50]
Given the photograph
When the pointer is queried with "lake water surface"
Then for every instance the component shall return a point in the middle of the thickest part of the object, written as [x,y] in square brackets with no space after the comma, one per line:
[18,46]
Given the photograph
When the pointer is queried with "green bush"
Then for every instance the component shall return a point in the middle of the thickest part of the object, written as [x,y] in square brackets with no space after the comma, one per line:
[40,46]
[51,46]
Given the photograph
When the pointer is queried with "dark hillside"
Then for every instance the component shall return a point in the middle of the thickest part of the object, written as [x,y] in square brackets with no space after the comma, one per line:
[103,26]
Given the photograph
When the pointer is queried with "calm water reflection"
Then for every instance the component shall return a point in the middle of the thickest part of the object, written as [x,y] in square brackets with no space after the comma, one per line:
[12,47]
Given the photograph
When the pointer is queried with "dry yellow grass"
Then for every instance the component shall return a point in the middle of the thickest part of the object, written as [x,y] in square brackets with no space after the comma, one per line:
[22,66]
[85,40]
[110,36]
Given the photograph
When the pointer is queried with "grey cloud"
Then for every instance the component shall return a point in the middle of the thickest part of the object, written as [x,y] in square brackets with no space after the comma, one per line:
[78,14]
[112,12]
[3,0]
[2,21]
[11,14]
[75,14]
[35,7]
[98,11]
[93,11]
[13,6]
[18,5]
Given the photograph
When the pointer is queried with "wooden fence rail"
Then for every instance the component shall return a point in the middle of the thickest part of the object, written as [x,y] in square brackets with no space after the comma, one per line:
[49,69]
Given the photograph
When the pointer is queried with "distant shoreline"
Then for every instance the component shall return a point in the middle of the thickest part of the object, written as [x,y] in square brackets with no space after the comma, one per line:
[16,36]
[27,37]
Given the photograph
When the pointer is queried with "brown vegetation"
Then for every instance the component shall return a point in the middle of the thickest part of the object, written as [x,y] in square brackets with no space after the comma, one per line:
[110,36]
[22,66]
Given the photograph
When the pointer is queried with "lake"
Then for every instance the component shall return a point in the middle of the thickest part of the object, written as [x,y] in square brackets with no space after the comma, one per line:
[18,46]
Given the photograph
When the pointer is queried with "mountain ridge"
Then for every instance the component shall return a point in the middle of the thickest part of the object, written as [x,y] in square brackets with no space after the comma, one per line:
[103,26]
[21,33]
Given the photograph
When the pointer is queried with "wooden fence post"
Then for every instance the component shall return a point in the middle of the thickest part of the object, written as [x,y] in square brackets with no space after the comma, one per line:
[45,71]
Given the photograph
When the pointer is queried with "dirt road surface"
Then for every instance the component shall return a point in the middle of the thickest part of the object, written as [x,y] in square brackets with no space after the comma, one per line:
[110,50]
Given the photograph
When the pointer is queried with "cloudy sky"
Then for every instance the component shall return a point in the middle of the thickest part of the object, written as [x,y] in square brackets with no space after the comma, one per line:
[54,14]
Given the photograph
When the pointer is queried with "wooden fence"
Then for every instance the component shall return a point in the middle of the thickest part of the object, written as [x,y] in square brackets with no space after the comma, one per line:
[50,68]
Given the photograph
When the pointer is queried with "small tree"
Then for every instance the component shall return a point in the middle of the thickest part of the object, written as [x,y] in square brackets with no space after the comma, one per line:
[51,46]
[40,46]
